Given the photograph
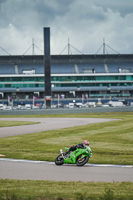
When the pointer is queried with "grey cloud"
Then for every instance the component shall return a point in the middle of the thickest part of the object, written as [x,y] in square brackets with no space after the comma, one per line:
[124,7]
[85,22]
[28,12]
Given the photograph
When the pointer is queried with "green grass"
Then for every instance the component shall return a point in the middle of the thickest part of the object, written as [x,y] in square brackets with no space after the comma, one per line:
[15,123]
[42,190]
[111,142]
[79,115]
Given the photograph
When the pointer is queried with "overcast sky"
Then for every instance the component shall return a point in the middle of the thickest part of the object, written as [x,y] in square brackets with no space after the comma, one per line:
[84,23]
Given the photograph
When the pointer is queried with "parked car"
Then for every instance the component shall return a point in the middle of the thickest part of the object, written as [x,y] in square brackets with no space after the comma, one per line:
[1,107]
[71,105]
[79,105]
[105,105]
[35,107]
[28,106]
[7,108]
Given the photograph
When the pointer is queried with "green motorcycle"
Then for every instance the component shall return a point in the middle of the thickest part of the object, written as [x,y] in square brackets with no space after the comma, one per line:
[79,157]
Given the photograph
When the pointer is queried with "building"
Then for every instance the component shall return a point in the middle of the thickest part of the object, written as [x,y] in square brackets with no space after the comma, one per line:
[72,76]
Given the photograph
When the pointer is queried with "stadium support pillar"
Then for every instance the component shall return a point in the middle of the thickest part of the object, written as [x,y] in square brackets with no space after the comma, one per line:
[47,67]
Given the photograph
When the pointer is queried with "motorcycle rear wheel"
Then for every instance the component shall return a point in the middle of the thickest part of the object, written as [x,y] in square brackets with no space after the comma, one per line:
[59,160]
[82,161]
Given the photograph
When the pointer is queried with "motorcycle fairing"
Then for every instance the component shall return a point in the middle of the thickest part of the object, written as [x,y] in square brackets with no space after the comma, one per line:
[73,155]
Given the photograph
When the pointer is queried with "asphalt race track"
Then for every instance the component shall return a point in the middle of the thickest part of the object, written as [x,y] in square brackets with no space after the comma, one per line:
[41,170]
[31,170]
[45,124]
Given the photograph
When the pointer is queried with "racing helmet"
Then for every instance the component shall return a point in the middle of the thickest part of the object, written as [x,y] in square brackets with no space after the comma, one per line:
[86,143]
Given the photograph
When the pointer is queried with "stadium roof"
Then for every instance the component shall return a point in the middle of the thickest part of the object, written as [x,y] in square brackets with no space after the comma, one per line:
[66,58]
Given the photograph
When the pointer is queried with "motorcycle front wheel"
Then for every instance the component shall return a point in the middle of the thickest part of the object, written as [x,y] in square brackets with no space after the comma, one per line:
[82,161]
[59,160]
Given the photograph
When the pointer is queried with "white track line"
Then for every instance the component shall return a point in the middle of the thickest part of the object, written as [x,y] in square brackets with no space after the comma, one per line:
[52,163]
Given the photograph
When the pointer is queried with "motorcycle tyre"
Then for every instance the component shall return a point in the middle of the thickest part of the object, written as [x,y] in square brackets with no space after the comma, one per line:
[59,162]
[82,163]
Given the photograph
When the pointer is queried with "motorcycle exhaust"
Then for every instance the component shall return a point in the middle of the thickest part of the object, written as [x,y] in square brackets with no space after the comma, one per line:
[61,151]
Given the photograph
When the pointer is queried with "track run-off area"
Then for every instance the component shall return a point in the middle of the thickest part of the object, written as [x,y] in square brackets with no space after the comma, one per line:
[42,170]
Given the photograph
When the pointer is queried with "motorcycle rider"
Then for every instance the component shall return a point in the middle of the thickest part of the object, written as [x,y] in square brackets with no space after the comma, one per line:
[81,145]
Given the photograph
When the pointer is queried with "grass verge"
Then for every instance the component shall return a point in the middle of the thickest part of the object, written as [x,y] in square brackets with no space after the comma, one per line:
[111,142]
[73,115]
[51,190]
[15,123]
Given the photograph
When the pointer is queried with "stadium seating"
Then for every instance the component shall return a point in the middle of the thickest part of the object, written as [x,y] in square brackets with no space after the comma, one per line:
[91,68]
[120,68]
[7,69]
[38,68]
[67,68]
[62,69]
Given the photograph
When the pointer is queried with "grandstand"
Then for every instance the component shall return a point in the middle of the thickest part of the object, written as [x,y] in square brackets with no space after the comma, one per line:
[94,76]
